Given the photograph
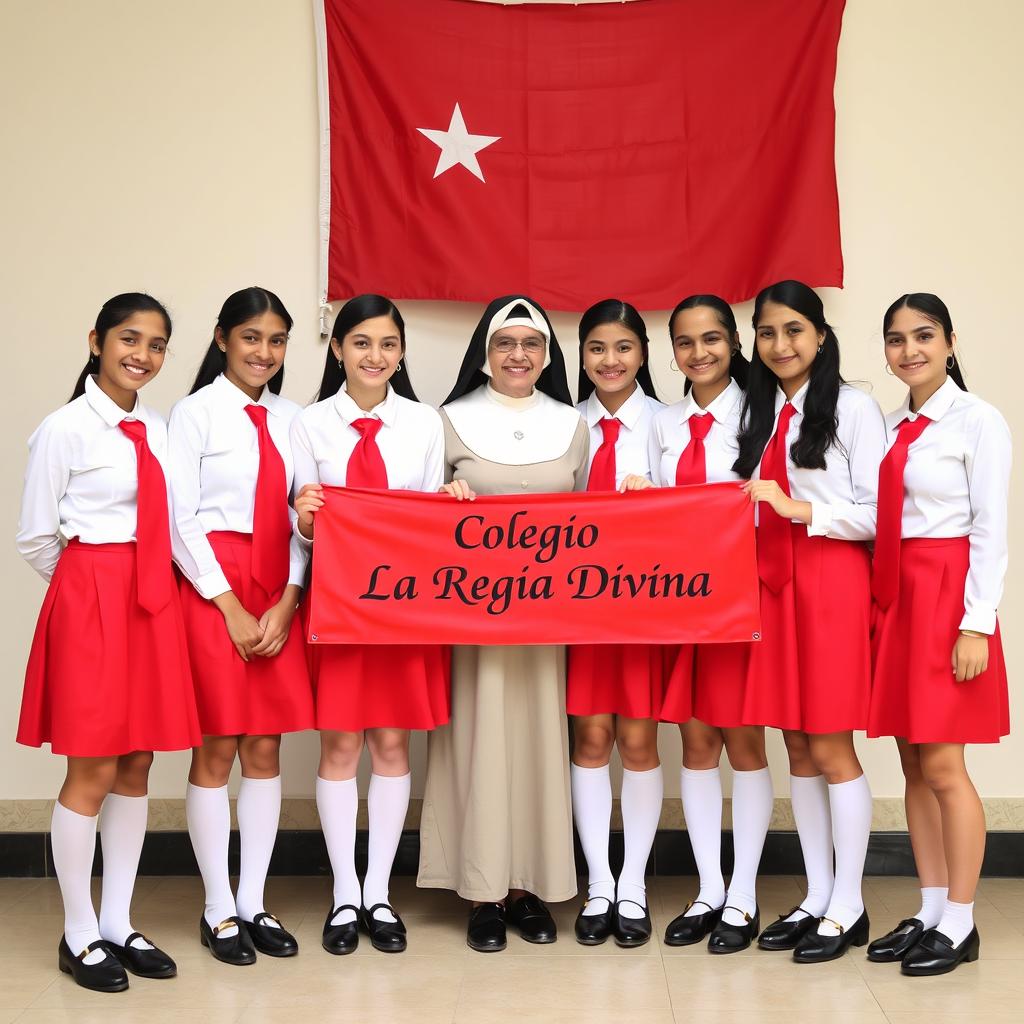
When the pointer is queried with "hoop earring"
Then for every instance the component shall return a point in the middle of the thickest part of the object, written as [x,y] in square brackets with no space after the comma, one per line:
[888,370]
[674,366]
[398,368]
[950,361]
[820,347]
[341,365]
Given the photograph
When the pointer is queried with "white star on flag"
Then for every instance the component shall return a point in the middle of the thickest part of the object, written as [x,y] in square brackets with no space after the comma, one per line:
[457,145]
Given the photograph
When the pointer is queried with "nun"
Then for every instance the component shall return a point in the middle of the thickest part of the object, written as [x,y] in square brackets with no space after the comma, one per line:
[497,812]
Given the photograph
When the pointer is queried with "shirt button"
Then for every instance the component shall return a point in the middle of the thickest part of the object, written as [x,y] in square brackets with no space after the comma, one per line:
[525,485]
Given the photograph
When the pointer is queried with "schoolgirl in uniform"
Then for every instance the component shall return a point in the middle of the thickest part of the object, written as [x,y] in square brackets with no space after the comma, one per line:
[614,691]
[939,676]
[108,678]
[694,442]
[242,572]
[810,446]
[368,429]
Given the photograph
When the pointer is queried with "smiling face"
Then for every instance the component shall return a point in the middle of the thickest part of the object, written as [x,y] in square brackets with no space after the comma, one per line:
[254,352]
[702,346]
[612,357]
[130,354]
[787,343]
[515,357]
[916,349]
[370,353]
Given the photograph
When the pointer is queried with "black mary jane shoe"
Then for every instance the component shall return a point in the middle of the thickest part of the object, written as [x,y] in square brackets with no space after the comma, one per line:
[894,946]
[593,929]
[685,931]
[530,915]
[486,930]
[386,936]
[936,954]
[106,976]
[632,931]
[236,949]
[733,938]
[144,963]
[818,949]
[270,940]
[341,939]
[783,934]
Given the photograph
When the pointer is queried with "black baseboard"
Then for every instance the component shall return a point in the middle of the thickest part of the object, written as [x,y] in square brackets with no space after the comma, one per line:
[302,852]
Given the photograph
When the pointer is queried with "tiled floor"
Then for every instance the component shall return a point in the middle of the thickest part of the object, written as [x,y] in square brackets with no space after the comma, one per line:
[439,979]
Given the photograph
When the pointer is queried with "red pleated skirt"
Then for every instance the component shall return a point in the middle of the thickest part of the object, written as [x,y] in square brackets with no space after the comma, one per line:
[615,679]
[104,676]
[260,697]
[708,682]
[915,695]
[811,671]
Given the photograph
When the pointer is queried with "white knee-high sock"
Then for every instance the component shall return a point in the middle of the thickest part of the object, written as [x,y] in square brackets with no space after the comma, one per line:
[851,830]
[208,814]
[122,832]
[337,803]
[957,921]
[701,791]
[752,802]
[813,818]
[642,795]
[592,809]
[259,811]
[933,902]
[73,838]
[387,803]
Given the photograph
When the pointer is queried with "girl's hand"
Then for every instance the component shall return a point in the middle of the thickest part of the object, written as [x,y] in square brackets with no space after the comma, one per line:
[459,490]
[245,631]
[307,502]
[276,621]
[776,498]
[970,657]
[633,482]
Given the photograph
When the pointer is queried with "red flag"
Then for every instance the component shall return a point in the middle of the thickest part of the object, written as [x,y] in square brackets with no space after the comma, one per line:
[543,569]
[647,150]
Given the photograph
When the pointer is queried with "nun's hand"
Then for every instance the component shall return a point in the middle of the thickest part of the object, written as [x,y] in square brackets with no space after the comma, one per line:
[307,502]
[459,490]
[634,482]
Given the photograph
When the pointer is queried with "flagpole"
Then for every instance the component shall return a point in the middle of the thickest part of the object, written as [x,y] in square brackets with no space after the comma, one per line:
[323,104]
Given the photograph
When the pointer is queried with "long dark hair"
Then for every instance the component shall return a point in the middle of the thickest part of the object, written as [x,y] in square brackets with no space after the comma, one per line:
[819,425]
[739,367]
[552,381]
[353,313]
[238,308]
[614,311]
[112,313]
[932,307]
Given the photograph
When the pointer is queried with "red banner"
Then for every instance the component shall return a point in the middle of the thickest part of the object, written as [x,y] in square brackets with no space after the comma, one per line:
[647,150]
[671,565]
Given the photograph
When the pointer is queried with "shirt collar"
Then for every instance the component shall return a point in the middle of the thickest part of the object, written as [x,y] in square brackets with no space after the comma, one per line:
[629,412]
[105,407]
[720,408]
[232,393]
[797,401]
[349,411]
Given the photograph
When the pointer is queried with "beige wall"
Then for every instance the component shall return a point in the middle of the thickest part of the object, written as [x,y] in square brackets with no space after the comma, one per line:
[172,147]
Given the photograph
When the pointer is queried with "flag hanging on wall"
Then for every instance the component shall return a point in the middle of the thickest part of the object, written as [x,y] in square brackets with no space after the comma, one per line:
[646,150]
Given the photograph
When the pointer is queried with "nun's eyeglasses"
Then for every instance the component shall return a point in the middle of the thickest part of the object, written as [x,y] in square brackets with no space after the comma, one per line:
[530,347]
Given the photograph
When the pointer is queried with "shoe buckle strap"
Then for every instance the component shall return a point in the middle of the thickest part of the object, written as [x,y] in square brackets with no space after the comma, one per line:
[226,923]
[841,928]
[746,917]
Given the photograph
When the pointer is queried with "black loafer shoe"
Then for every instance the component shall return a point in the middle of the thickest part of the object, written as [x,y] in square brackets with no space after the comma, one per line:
[783,934]
[818,949]
[593,929]
[936,954]
[894,947]
[106,976]
[341,939]
[270,940]
[144,963]
[685,931]
[732,938]
[387,936]
[632,931]
[236,949]
[532,918]
[486,930]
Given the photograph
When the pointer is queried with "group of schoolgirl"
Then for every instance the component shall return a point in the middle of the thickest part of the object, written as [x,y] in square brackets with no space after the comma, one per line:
[177,556]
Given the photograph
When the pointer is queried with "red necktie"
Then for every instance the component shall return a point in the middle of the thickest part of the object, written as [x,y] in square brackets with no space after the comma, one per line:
[366,465]
[885,568]
[692,465]
[152,527]
[271,525]
[775,534]
[602,469]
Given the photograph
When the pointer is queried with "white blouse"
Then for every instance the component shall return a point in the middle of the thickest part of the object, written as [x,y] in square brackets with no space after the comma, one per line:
[82,477]
[411,443]
[956,484]
[214,460]
[670,434]
[844,495]
[635,415]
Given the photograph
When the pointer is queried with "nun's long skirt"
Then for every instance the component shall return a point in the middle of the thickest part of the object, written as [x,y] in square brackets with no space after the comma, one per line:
[497,810]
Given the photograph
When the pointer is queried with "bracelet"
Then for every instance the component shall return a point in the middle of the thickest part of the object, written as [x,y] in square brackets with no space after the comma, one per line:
[974,633]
